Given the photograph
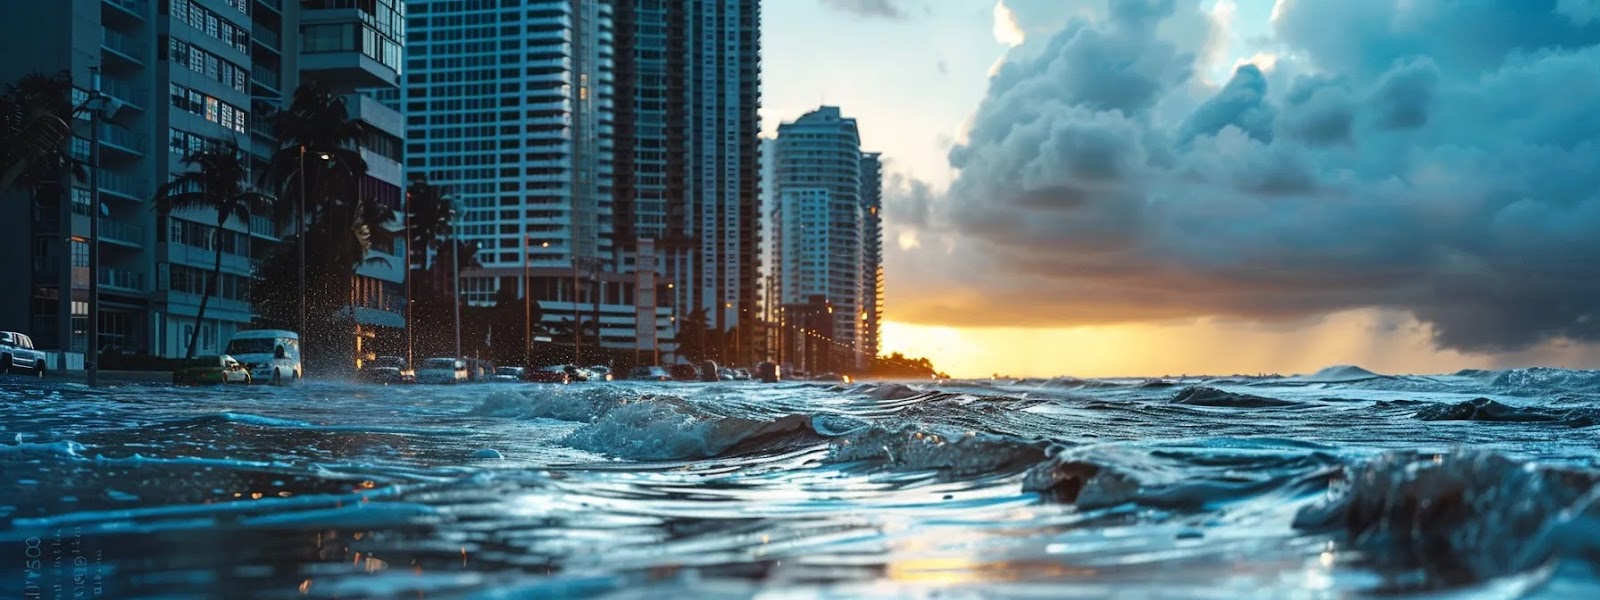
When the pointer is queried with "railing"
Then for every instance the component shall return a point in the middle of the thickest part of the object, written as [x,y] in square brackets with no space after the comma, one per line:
[120,43]
[267,77]
[122,278]
[121,232]
[263,226]
[122,184]
[267,36]
[216,302]
[261,125]
[134,6]
[111,134]
[123,91]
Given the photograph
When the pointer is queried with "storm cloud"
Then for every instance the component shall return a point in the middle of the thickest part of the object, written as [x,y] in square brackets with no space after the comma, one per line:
[1433,157]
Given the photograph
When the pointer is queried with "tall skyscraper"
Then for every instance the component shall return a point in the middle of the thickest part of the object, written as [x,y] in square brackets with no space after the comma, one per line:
[688,155]
[512,107]
[871,253]
[820,212]
[188,73]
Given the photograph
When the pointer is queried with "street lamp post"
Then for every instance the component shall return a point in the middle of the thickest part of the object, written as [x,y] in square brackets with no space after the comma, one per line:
[527,301]
[92,344]
[300,237]
[410,328]
[455,279]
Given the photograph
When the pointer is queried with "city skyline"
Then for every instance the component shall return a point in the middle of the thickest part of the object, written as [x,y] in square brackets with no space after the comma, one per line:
[946,83]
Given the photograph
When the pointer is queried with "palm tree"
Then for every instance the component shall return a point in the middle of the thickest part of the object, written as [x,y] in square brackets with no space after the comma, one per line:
[216,182]
[34,113]
[320,157]
[321,168]
[428,210]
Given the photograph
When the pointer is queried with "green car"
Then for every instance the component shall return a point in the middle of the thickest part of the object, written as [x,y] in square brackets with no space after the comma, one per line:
[211,369]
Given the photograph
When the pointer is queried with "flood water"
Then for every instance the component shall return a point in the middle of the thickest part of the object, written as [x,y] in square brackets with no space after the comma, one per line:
[1476,484]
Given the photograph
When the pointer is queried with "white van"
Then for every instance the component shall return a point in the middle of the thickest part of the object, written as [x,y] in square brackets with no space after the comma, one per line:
[272,355]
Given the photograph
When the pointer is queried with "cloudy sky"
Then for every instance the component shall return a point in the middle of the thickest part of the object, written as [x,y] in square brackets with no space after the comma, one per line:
[1143,187]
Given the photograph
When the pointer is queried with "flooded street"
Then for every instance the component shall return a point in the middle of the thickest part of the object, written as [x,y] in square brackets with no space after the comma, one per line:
[1475,483]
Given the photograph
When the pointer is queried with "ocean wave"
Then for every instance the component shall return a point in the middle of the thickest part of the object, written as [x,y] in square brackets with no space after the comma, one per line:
[1185,478]
[924,447]
[1209,396]
[623,424]
[1462,516]
[1484,409]
[265,422]
[1339,374]
[1543,380]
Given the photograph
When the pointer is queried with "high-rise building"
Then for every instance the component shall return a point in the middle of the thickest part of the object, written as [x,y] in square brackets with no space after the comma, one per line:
[688,156]
[871,253]
[512,109]
[821,226]
[191,73]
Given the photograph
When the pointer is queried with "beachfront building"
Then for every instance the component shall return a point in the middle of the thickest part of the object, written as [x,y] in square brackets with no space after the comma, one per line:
[822,224]
[512,109]
[871,253]
[181,74]
[688,170]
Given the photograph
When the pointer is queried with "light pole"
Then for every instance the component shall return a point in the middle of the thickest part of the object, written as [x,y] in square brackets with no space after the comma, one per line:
[455,278]
[300,237]
[91,348]
[410,329]
[527,302]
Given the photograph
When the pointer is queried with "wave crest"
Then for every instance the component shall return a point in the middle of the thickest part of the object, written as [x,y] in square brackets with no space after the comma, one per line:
[1484,409]
[1473,514]
[1209,396]
[926,447]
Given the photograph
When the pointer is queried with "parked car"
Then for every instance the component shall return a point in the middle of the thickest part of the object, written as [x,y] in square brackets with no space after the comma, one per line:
[683,372]
[741,374]
[509,374]
[725,374]
[442,370]
[550,374]
[271,355]
[649,374]
[211,369]
[577,373]
[478,369]
[600,373]
[388,369]
[18,356]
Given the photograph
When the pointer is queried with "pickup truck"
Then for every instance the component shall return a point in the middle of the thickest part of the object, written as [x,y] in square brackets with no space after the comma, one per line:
[18,356]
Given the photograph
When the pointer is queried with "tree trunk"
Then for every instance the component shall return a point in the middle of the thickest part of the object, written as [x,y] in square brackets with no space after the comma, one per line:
[211,287]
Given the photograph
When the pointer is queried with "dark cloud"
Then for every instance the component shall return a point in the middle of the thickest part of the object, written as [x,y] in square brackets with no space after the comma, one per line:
[880,9]
[907,202]
[1434,157]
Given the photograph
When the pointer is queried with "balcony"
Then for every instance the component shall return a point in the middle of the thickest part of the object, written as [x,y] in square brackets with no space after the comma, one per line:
[337,46]
[122,47]
[128,11]
[263,227]
[216,307]
[206,258]
[121,140]
[125,186]
[364,108]
[131,97]
[267,79]
[122,279]
[276,5]
[117,232]
[350,68]
[268,38]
